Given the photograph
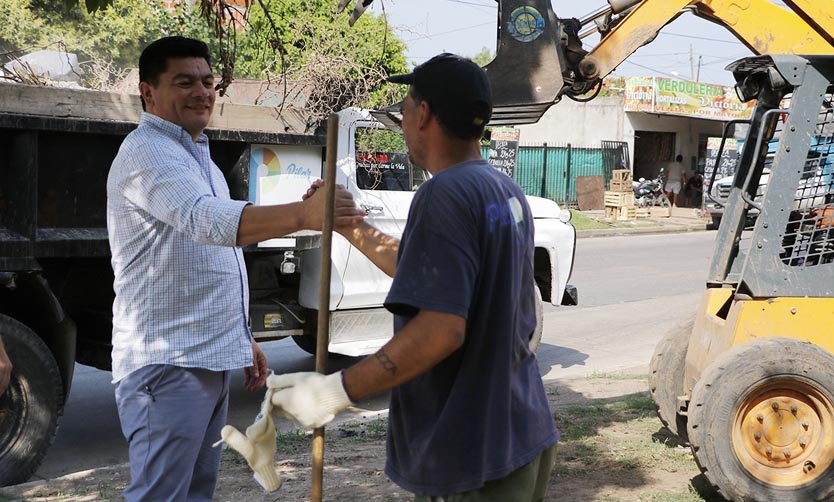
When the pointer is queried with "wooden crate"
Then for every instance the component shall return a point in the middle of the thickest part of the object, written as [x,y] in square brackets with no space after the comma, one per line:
[642,212]
[621,175]
[619,199]
[620,186]
[661,212]
[622,213]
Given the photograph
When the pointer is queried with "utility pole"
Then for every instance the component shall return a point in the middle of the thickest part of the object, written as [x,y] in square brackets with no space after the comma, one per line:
[698,73]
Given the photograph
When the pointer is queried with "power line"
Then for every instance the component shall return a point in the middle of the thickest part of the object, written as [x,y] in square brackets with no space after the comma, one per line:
[694,37]
[428,36]
[651,69]
[472,3]
[635,55]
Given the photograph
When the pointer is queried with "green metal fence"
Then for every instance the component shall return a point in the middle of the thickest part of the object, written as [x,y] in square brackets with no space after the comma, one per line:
[551,171]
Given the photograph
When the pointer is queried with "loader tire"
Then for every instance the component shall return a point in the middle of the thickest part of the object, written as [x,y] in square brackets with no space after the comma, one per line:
[761,419]
[31,405]
[666,377]
[536,337]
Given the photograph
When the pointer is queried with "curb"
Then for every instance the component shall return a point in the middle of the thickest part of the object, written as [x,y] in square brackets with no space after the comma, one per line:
[665,229]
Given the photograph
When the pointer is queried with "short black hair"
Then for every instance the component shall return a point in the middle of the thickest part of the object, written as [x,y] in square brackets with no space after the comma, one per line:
[154,59]
[679,158]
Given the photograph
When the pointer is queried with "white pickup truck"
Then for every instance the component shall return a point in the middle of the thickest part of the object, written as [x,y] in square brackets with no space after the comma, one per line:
[811,191]
[373,164]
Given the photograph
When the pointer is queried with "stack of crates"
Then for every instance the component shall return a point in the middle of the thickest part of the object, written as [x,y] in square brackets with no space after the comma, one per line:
[619,198]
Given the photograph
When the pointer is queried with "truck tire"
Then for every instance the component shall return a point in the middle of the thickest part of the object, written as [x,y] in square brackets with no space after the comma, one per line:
[30,407]
[761,421]
[307,343]
[536,337]
[666,377]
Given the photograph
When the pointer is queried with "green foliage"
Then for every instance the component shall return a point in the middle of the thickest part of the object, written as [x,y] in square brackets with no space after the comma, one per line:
[483,57]
[336,65]
[321,47]
[379,140]
[308,26]
[91,5]
[115,35]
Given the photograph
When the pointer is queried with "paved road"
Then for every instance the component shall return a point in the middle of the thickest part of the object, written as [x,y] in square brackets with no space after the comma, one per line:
[632,290]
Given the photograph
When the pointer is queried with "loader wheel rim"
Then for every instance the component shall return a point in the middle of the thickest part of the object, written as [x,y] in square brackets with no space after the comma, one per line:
[783,432]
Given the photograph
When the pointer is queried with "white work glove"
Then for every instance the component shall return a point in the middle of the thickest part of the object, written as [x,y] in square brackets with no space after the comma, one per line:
[257,446]
[310,399]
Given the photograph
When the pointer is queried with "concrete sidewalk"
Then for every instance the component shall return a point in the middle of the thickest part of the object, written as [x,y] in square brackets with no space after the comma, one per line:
[683,219]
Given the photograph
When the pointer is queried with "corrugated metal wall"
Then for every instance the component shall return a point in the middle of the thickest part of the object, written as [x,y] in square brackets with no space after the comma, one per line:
[551,171]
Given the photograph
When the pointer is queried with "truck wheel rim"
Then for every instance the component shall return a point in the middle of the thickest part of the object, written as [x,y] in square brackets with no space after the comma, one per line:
[783,432]
[12,416]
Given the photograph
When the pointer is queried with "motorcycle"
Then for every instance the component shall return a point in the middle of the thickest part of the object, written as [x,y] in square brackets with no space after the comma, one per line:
[648,193]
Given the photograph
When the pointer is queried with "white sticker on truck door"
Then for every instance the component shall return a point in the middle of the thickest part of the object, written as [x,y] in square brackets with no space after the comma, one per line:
[279,174]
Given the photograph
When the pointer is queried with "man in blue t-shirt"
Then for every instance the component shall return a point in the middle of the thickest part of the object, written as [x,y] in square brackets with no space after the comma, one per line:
[469,415]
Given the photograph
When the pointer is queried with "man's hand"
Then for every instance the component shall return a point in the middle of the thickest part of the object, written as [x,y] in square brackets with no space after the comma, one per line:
[345,213]
[310,399]
[5,369]
[254,377]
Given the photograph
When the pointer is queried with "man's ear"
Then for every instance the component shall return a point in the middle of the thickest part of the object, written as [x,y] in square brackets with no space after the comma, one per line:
[146,91]
[425,115]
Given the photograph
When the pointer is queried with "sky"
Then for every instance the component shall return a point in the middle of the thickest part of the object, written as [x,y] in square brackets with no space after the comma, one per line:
[429,27]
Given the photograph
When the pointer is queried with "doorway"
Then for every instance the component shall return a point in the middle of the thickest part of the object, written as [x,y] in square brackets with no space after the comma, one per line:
[651,150]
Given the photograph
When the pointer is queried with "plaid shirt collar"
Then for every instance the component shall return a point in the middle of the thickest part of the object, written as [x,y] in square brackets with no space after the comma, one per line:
[169,128]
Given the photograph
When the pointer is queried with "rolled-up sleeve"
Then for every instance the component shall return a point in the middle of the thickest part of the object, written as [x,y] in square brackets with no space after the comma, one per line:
[176,193]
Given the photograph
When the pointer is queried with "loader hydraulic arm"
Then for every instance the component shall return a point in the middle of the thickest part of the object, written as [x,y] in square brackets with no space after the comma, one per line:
[764,27]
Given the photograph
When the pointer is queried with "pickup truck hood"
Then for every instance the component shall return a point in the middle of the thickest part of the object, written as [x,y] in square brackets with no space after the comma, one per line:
[543,208]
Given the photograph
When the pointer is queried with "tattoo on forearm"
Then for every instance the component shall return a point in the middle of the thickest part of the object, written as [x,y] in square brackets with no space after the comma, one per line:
[386,362]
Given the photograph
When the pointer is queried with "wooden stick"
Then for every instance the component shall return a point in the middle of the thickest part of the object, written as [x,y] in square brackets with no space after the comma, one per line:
[323,332]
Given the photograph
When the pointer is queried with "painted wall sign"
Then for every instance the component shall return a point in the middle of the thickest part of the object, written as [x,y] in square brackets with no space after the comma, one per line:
[684,97]
[503,149]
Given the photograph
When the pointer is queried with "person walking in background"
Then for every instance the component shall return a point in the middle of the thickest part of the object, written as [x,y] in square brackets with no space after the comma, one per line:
[180,316]
[460,314]
[695,189]
[675,179]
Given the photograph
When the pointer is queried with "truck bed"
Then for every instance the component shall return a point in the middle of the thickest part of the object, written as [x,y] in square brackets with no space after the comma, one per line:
[57,146]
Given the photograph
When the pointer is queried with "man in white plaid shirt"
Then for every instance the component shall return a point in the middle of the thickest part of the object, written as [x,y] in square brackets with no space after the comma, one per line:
[180,317]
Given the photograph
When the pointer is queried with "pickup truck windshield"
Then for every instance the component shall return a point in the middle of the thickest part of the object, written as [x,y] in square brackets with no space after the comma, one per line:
[382,162]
